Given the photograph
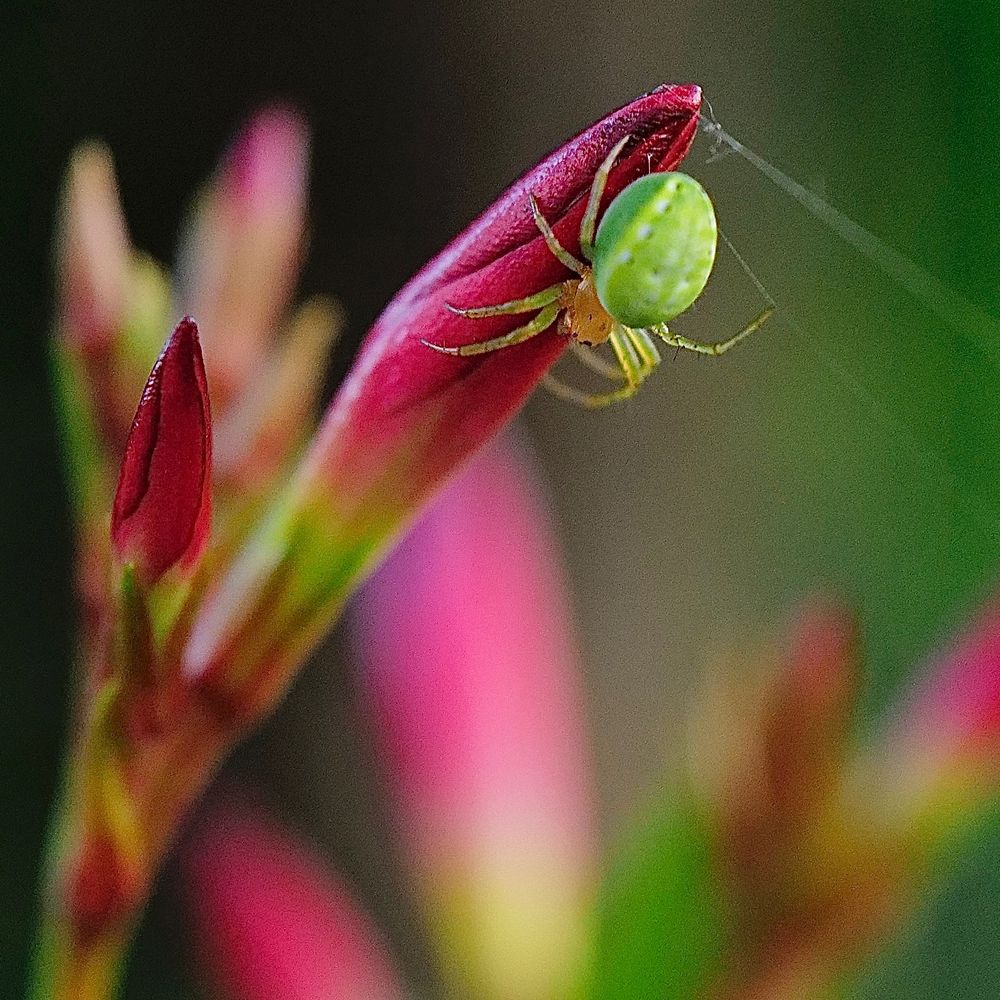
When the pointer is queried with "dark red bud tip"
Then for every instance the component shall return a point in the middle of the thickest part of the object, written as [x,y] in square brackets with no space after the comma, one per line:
[163,503]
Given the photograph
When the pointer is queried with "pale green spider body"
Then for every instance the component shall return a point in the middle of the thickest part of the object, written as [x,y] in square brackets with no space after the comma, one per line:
[651,259]
[655,249]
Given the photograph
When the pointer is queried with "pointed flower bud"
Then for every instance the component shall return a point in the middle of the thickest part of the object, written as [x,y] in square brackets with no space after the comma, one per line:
[809,877]
[406,416]
[270,923]
[162,507]
[93,261]
[471,677]
[957,707]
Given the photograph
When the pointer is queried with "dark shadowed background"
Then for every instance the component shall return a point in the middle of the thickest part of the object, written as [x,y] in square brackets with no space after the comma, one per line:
[854,445]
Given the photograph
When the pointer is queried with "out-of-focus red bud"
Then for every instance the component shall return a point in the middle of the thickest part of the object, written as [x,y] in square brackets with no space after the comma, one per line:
[823,661]
[240,257]
[957,706]
[259,434]
[769,737]
[810,878]
[162,507]
[270,923]
[93,252]
[811,704]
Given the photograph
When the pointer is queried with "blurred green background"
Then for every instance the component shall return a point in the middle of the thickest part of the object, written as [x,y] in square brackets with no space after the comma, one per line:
[854,446]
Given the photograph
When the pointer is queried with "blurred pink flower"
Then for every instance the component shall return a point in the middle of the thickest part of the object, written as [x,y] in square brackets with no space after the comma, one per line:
[943,745]
[98,276]
[768,745]
[957,707]
[824,848]
[471,676]
[241,252]
[270,923]
[238,264]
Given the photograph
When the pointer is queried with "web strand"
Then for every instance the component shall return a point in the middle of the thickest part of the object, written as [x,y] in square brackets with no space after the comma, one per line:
[939,299]
[959,314]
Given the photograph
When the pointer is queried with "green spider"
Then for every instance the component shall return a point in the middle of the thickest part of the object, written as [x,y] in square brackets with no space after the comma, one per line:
[651,259]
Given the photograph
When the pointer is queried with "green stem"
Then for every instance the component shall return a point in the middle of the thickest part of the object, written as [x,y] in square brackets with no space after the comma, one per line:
[67,968]
[81,955]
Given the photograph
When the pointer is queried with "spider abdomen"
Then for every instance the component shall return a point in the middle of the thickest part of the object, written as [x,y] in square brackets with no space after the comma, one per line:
[654,250]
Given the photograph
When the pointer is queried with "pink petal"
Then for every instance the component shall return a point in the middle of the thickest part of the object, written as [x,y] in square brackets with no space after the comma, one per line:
[240,257]
[271,923]
[471,675]
[93,252]
[955,709]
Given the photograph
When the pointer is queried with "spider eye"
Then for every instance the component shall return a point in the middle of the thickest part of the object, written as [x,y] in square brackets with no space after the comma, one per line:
[655,249]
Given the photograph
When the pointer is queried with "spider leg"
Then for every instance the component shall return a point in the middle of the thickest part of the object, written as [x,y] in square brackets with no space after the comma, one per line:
[552,242]
[543,298]
[644,346]
[713,350]
[634,369]
[532,328]
[592,401]
[595,363]
[589,222]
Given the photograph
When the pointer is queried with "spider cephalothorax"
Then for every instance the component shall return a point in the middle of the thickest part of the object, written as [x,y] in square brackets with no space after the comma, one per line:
[650,260]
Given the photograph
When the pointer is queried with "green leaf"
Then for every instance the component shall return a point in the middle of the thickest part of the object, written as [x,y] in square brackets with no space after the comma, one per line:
[949,947]
[661,925]
[81,440]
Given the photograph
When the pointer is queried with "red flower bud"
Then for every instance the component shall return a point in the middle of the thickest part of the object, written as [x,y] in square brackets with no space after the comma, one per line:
[162,506]
[471,677]
[406,415]
[956,708]
[942,747]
